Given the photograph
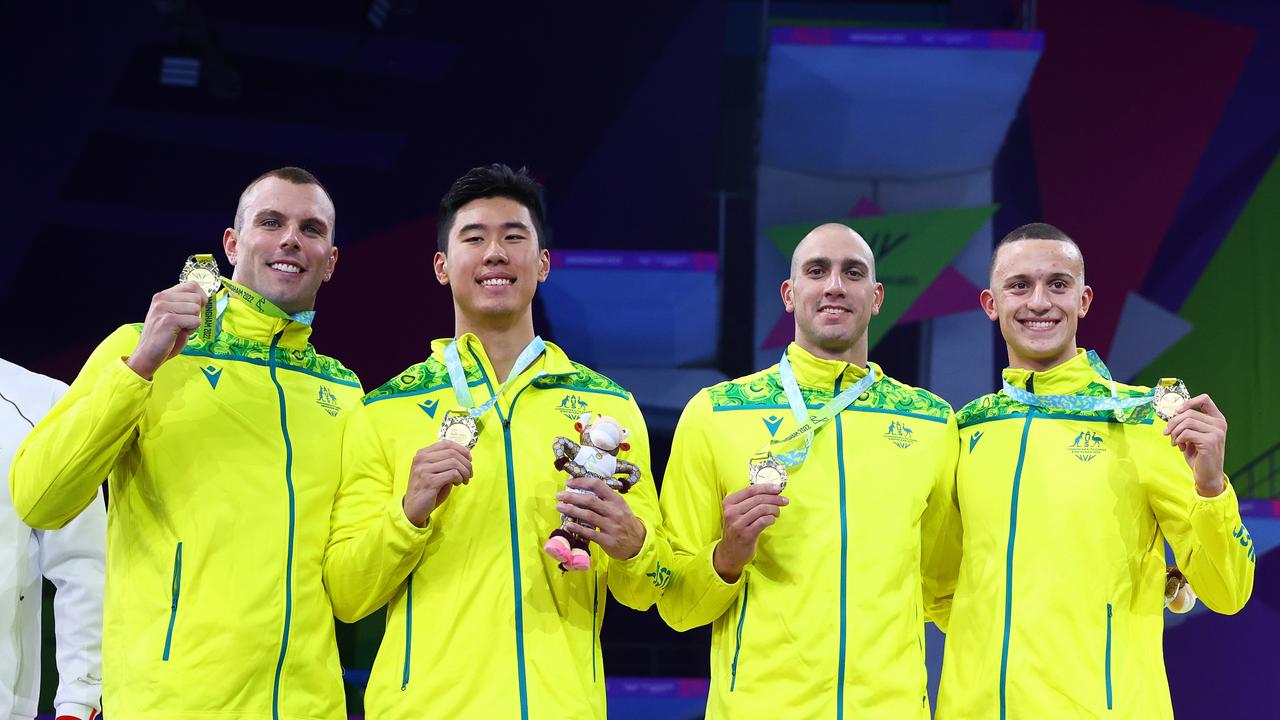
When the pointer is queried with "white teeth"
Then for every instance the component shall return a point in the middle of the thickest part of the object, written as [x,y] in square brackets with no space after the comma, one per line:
[286,267]
[491,282]
[1039,324]
[833,311]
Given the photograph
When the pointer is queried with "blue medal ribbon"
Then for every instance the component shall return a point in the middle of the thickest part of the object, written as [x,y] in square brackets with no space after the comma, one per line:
[808,425]
[1080,403]
[458,376]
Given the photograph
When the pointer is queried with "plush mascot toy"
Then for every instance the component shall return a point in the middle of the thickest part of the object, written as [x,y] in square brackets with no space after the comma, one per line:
[602,439]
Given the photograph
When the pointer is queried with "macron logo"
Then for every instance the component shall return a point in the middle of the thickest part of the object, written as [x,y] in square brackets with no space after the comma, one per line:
[772,422]
[212,374]
[973,440]
[429,407]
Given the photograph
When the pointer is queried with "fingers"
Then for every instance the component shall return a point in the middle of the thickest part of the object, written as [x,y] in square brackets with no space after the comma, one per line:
[745,505]
[1199,438]
[582,515]
[595,485]
[1204,404]
[1194,421]
[589,533]
[752,491]
[760,510]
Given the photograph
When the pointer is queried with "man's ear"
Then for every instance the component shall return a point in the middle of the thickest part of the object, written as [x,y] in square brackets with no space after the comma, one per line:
[440,264]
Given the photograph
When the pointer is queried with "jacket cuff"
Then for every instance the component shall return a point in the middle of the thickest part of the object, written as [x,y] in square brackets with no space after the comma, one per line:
[405,535]
[75,710]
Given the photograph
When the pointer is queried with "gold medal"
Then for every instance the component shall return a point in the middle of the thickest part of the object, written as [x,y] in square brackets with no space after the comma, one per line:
[458,426]
[766,469]
[1168,396]
[203,271]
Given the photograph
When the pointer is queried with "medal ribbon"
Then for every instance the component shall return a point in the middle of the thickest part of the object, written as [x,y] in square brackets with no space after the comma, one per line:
[1117,405]
[810,424]
[458,376]
[249,297]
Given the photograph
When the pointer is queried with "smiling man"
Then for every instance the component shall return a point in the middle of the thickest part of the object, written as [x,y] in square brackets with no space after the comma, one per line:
[450,486]
[808,507]
[220,449]
[1069,485]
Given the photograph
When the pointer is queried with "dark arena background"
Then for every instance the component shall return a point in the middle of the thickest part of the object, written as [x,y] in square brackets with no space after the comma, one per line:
[685,148]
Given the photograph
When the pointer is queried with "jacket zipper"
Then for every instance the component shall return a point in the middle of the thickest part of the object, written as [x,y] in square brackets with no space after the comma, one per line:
[408,632]
[844,561]
[173,602]
[514,530]
[1108,656]
[288,568]
[1008,569]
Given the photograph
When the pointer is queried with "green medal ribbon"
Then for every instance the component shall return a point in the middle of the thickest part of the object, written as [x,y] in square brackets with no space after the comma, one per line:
[203,270]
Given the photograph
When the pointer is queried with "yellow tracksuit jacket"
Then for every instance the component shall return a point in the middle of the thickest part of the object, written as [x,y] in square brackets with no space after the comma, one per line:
[221,474]
[828,619]
[1059,611]
[481,622]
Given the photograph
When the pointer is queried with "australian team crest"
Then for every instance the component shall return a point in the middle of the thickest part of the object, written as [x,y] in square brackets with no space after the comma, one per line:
[573,406]
[1087,446]
[901,435]
[327,400]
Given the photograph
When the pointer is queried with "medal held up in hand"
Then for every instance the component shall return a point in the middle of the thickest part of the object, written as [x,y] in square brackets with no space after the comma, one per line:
[203,271]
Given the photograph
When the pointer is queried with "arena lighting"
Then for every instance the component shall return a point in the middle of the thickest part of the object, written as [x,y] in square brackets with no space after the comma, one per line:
[381,10]
[180,71]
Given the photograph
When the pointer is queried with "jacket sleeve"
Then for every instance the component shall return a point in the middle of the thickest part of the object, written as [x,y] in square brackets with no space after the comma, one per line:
[692,501]
[73,559]
[639,581]
[372,545]
[941,534]
[58,468]
[1209,540]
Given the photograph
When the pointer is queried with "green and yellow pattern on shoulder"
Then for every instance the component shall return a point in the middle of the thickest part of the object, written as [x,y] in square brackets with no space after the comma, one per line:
[421,378]
[764,390]
[998,405]
[234,347]
[583,378]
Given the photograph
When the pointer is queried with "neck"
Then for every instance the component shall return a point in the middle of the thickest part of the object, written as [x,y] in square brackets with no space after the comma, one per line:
[502,337]
[292,309]
[1034,364]
[855,353]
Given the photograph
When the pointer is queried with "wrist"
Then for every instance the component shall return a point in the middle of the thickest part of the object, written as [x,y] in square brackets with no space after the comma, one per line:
[1212,487]
[728,572]
[416,519]
[139,368]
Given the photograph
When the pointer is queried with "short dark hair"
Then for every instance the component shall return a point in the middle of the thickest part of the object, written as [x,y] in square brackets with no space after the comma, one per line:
[1034,231]
[291,174]
[489,181]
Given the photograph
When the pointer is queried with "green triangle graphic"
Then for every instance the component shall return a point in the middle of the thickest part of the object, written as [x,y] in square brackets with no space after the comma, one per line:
[911,249]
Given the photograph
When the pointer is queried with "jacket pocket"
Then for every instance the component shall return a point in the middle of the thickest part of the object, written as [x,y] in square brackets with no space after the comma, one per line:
[1107,659]
[737,642]
[173,602]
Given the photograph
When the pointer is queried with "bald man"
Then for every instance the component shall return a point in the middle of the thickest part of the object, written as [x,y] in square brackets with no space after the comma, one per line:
[811,509]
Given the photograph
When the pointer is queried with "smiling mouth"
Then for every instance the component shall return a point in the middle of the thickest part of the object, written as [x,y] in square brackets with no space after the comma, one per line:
[1039,325]
[286,267]
[498,282]
[833,310]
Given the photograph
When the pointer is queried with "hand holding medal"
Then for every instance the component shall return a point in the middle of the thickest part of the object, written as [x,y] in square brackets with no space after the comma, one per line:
[174,315]
[1199,429]
[436,469]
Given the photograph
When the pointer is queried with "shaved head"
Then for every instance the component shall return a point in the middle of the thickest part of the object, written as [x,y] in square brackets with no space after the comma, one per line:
[833,293]
[835,232]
